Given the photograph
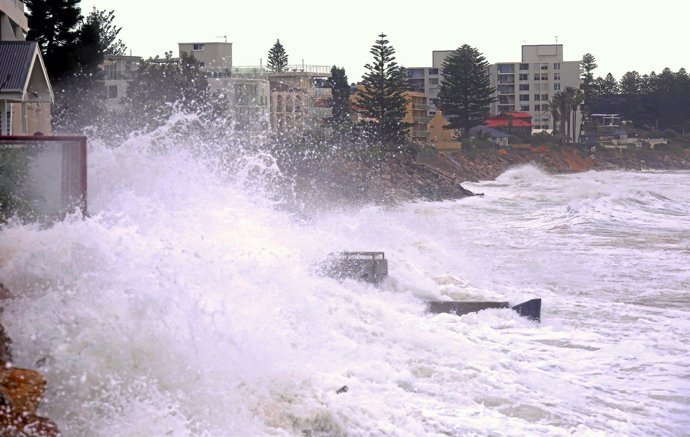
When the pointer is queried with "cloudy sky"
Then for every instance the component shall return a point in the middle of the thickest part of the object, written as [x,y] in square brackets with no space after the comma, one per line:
[622,35]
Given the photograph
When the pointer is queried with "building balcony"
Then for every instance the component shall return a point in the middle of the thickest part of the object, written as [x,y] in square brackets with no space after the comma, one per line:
[421,107]
[421,120]
[421,134]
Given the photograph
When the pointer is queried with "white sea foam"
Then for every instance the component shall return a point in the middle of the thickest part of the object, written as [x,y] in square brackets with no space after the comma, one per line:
[187,306]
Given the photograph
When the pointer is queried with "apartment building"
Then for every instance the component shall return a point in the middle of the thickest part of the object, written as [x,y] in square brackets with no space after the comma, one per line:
[529,85]
[247,90]
[25,92]
[118,72]
[416,114]
[215,57]
[306,87]
[425,80]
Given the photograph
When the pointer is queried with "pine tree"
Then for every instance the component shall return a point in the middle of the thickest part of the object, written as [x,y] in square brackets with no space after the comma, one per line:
[588,64]
[466,92]
[277,57]
[606,86]
[108,41]
[382,95]
[54,25]
[340,91]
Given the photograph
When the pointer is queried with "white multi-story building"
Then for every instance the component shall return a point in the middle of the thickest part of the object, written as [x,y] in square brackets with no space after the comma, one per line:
[529,85]
[246,90]
[118,72]
[425,80]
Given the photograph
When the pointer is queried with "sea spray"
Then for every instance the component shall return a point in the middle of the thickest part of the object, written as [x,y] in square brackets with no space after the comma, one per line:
[187,305]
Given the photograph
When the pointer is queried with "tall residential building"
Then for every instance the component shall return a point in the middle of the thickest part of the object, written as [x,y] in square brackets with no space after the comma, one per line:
[529,85]
[425,80]
[215,57]
[246,89]
[416,115]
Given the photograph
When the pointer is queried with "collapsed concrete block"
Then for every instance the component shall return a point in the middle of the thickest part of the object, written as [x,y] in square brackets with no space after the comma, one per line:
[363,266]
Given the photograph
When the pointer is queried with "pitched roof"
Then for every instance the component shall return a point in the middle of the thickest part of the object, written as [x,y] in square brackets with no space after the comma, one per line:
[20,64]
[505,122]
[489,131]
[518,114]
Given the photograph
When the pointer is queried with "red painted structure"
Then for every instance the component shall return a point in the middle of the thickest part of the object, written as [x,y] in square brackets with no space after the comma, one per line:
[510,119]
[73,189]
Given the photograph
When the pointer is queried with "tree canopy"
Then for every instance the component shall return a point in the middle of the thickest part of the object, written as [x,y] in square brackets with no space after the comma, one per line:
[54,25]
[466,92]
[73,48]
[564,106]
[340,90]
[277,57]
[382,95]
[651,101]
[163,85]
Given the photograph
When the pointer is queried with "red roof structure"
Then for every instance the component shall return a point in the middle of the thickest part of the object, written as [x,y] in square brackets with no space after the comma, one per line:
[510,119]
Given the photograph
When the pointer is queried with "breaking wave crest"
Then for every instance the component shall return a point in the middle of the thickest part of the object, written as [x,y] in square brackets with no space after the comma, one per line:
[186,304]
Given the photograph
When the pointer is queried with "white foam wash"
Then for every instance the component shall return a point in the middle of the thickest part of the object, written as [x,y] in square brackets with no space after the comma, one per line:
[184,306]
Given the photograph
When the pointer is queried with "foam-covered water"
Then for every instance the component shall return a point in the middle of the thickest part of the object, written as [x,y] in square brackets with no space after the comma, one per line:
[185,305]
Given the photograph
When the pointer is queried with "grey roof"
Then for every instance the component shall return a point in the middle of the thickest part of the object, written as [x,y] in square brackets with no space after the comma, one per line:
[489,131]
[15,64]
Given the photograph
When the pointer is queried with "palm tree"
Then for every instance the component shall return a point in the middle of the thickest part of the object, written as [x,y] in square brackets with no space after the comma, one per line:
[562,106]
[557,107]
[578,99]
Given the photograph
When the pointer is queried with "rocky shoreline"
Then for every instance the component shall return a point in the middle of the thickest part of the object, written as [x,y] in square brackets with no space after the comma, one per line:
[432,176]
[21,391]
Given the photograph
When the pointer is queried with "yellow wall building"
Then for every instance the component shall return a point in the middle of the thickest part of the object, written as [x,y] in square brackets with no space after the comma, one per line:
[441,137]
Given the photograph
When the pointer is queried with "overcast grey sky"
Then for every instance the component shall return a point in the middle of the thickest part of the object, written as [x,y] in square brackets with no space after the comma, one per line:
[622,35]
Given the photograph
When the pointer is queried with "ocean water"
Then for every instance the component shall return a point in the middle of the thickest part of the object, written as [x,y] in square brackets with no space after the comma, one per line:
[187,304]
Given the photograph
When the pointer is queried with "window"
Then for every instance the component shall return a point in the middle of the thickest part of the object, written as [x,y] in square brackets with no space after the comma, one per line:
[544,67]
[433,81]
[524,97]
[524,76]
[415,72]
[112,92]
[524,87]
[557,76]
[536,76]
[545,97]
[524,67]
[197,47]
[545,76]
[524,108]
[537,107]
[110,71]
[557,87]
[433,71]
[556,66]
[505,68]
[537,97]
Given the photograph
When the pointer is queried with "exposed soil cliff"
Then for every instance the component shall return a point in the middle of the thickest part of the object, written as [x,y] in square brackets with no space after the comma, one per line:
[434,176]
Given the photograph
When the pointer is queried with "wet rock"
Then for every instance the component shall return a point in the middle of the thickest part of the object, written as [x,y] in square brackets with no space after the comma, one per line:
[21,391]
